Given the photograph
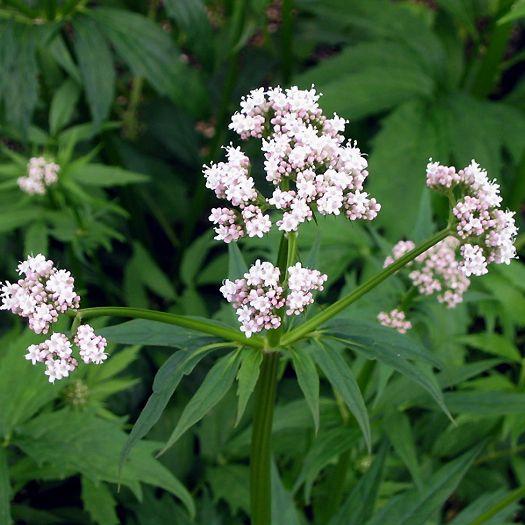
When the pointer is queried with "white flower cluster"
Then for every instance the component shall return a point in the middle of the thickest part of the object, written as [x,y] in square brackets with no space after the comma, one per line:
[259,296]
[41,173]
[306,160]
[395,319]
[41,295]
[488,232]
[436,271]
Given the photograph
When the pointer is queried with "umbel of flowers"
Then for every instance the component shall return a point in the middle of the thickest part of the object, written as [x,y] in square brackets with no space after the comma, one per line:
[259,297]
[41,294]
[306,160]
[482,233]
[41,173]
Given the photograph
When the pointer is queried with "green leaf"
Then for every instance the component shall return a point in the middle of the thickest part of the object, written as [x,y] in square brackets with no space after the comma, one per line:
[308,379]
[283,507]
[14,219]
[74,442]
[236,264]
[96,66]
[361,501]
[119,361]
[399,432]
[104,176]
[36,239]
[516,12]
[486,404]
[193,258]
[99,502]
[5,489]
[415,508]
[409,135]
[247,376]
[343,381]
[61,54]
[491,343]
[214,387]
[231,483]
[166,381]
[63,105]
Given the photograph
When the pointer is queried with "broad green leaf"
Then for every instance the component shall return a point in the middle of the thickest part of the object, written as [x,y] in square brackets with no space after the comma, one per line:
[308,379]
[74,442]
[236,264]
[283,507]
[166,381]
[373,334]
[409,135]
[399,432]
[5,489]
[194,257]
[415,508]
[96,66]
[491,509]
[516,12]
[36,239]
[247,376]
[214,387]
[343,381]
[24,389]
[104,176]
[327,446]
[361,501]
[491,343]
[63,105]
[99,502]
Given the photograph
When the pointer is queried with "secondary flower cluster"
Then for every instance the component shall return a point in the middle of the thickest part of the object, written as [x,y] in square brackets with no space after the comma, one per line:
[259,297]
[306,160]
[41,295]
[41,173]
[487,231]
[395,319]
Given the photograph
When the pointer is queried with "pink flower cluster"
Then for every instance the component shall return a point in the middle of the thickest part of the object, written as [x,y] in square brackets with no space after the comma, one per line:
[487,232]
[436,271]
[395,319]
[41,173]
[259,296]
[41,295]
[306,160]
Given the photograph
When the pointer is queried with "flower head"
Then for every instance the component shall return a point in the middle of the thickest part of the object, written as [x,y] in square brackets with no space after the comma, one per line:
[395,319]
[41,173]
[306,159]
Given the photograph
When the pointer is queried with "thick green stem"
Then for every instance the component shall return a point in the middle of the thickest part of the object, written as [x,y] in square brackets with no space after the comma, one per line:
[261,451]
[337,307]
[200,325]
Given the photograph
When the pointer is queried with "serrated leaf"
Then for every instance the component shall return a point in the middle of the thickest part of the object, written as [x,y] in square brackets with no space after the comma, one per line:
[308,380]
[99,502]
[214,387]
[415,508]
[96,66]
[343,381]
[399,432]
[104,176]
[361,501]
[63,105]
[247,376]
[236,264]
[5,489]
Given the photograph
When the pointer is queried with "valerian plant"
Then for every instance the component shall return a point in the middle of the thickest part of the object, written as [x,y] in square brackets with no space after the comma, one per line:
[309,171]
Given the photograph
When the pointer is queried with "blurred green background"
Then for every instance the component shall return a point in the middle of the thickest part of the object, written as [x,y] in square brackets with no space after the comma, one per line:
[131,99]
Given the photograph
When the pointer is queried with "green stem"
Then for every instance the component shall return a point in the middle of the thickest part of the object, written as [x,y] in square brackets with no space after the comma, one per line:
[261,452]
[200,325]
[337,307]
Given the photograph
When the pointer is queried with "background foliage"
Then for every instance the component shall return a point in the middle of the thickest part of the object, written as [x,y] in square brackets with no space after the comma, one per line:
[131,98]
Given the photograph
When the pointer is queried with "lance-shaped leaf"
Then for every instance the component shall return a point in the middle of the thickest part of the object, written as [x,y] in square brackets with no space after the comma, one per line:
[283,507]
[361,501]
[308,379]
[5,489]
[251,360]
[236,264]
[99,502]
[415,508]
[343,381]
[214,387]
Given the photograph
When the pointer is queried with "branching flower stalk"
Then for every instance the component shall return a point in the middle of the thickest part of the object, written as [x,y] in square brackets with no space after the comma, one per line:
[313,172]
